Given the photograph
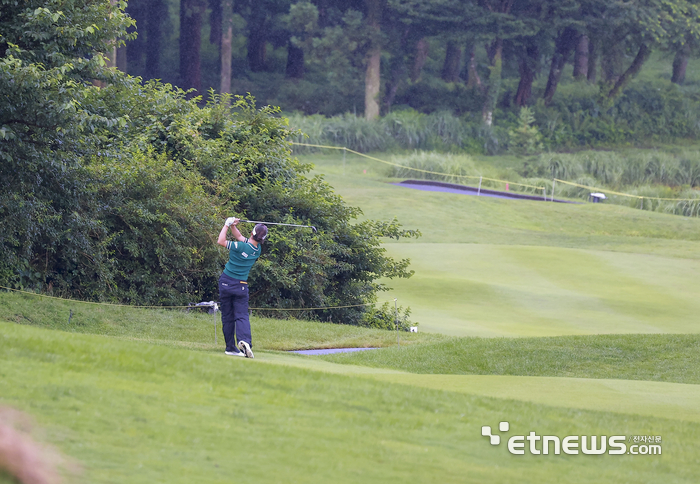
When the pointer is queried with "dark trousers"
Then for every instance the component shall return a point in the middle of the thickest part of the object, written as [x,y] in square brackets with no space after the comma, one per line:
[233,302]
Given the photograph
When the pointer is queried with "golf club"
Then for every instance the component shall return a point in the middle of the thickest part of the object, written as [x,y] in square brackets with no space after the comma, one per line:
[275,223]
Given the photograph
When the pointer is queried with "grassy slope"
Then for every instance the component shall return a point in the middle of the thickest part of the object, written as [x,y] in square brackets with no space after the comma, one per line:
[488,267]
[193,330]
[134,412]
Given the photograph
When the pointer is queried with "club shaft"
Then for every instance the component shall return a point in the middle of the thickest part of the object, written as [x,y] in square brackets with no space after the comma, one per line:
[275,223]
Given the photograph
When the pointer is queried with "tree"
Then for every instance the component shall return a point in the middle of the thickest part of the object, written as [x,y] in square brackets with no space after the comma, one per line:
[302,23]
[225,45]
[452,64]
[641,27]
[191,17]
[489,21]
[373,70]
[336,44]
[50,53]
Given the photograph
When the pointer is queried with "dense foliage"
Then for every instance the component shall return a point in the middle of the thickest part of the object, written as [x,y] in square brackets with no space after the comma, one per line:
[647,113]
[481,60]
[117,193]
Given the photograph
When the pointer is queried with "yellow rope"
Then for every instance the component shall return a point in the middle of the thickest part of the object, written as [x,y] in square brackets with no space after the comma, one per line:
[172,307]
[638,197]
[312,309]
[416,169]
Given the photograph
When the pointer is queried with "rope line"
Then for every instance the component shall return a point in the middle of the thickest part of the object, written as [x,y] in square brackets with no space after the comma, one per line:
[638,197]
[179,307]
[313,309]
[416,169]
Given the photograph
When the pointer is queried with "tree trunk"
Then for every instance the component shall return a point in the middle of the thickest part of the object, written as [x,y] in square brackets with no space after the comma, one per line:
[135,49]
[295,62]
[592,61]
[257,49]
[121,59]
[642,55]
[373,73]
[527,66]
[216,22]
[157,12]
[564,44]
[611,62]
[372,84]
[225,45]
[495,52]
[680,63]
[422,47]
[397,69]
[453,59]
[473,79]
[397,73]
[581,58]
[191,13]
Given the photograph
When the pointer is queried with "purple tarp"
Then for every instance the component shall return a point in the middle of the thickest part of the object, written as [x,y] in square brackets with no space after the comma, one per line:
[329,351]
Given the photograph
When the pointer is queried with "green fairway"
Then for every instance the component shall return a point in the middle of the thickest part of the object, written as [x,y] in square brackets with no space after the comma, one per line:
[487,290]
[491,267]
[134,412]
[672,400]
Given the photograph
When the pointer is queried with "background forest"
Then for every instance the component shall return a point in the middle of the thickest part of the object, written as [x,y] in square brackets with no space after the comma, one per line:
[471,65]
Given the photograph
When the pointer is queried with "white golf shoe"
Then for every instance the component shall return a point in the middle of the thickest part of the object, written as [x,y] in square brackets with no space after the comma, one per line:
[245,348]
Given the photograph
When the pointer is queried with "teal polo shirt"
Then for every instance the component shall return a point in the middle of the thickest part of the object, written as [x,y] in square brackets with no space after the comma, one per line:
[241,257]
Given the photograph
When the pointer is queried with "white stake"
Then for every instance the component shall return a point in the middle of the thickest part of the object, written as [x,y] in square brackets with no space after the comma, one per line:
[479,192]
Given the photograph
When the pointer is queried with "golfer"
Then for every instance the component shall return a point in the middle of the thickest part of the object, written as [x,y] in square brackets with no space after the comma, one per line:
[233,286]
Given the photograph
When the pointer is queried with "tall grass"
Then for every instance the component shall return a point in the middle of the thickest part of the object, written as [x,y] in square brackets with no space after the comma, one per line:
[425,165]
[405,129]
[647,176]
[625,169]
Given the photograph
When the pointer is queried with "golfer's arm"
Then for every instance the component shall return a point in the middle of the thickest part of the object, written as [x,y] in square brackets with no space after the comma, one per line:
[236,234]
[222,236]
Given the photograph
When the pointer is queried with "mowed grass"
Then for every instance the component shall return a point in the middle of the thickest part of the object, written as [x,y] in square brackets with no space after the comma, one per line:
[489,267]
[500,290]
[135,412]
[138,395]
[667,358]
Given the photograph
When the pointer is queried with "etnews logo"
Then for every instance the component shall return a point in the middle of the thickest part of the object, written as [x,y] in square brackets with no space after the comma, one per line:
[572,444]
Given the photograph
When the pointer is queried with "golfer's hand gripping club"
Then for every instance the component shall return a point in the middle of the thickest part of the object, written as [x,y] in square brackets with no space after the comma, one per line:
[231,221]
